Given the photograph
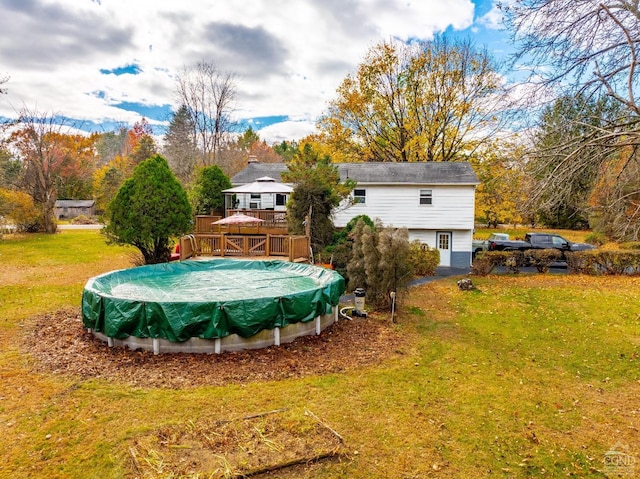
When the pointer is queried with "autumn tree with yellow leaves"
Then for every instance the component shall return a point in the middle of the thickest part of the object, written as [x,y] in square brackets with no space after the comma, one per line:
[435,100]
[502,193]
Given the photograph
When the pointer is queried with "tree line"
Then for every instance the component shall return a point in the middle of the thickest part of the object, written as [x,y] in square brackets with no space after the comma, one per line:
[558,148]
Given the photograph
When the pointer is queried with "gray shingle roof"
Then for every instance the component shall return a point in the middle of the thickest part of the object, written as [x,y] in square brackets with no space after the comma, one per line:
[74,203]
[430,173]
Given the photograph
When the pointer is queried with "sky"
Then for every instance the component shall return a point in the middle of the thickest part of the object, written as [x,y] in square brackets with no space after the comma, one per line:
[108,63]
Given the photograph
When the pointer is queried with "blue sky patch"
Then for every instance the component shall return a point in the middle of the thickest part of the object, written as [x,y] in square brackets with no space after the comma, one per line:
[131,69]
[152,112]
[264,121]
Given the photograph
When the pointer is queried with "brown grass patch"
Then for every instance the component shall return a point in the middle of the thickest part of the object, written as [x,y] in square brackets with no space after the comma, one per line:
[60,345]
[243,447]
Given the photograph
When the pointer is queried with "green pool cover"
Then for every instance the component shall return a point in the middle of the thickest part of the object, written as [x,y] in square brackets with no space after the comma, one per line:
[207,299]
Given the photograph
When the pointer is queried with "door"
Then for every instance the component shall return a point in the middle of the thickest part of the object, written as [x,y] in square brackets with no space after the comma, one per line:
[444,246]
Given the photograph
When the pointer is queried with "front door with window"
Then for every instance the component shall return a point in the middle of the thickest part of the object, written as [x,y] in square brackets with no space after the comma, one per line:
[444,246]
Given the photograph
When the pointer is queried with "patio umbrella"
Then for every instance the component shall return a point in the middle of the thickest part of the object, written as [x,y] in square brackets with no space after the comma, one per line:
[238,219]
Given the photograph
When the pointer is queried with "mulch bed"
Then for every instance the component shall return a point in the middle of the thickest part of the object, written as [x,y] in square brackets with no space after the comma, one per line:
[60,344]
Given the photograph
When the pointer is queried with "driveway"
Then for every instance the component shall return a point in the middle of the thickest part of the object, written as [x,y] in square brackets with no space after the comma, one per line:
[80,227]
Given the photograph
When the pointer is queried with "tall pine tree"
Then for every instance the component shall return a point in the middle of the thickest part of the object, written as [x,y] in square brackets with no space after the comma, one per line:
[179,149]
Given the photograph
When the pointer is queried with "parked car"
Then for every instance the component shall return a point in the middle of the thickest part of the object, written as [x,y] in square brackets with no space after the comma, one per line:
[538,241]
[483,245]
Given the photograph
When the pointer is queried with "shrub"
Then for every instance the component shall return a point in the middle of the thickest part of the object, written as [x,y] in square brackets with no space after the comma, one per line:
[340,254]
[595,238]
[344,233]
[83,220]
[512,260]
[604,262]
[19,207]
[542,258]
[424,259]
[486,261]
[483,263]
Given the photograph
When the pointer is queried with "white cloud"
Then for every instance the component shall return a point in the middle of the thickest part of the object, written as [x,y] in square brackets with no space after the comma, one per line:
[493,18]
[287,130]
[289,56]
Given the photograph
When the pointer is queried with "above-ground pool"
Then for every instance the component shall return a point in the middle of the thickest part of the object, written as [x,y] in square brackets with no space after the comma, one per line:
[211,306]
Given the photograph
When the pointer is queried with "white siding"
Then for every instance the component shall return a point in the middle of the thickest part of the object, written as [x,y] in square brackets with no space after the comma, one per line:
[267,201]
[452,210]
[399,206]
[460,239]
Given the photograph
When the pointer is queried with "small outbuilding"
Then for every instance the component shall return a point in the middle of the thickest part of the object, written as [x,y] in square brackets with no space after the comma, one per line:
[67,209]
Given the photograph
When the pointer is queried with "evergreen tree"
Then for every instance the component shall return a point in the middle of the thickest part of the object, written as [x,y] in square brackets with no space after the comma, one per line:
[371,258]
[149,209]
[180,149]
[355,267]
[287,150]
[207,195]
[112,144]
[247,139]
[380,262]
[395,267]
[317,191]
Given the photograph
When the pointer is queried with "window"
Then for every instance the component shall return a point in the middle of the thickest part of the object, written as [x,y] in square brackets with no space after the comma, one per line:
[254,203]
[443,241]
[359,195]
[426,197]
[281,200]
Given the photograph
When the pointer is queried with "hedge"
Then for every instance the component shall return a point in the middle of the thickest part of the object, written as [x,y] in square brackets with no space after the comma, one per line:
[593,262]
[604,262]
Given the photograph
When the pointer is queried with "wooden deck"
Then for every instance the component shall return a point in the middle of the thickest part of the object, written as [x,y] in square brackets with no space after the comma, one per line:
[269,238]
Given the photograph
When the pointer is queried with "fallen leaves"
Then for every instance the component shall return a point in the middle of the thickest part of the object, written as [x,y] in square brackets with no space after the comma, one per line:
[60,345]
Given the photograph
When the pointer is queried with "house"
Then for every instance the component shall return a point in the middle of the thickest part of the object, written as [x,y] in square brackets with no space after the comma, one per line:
[433,200]
[65,209]
[265,193]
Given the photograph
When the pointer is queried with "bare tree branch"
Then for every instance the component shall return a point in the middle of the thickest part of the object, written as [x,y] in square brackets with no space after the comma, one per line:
[208,95]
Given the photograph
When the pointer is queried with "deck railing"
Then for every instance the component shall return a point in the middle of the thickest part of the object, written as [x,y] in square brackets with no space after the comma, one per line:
[299,248]
[270,217]
[273,221]
[295,248]
[204,223]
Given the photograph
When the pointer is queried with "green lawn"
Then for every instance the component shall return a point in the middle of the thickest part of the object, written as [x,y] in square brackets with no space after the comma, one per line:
[528,376]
